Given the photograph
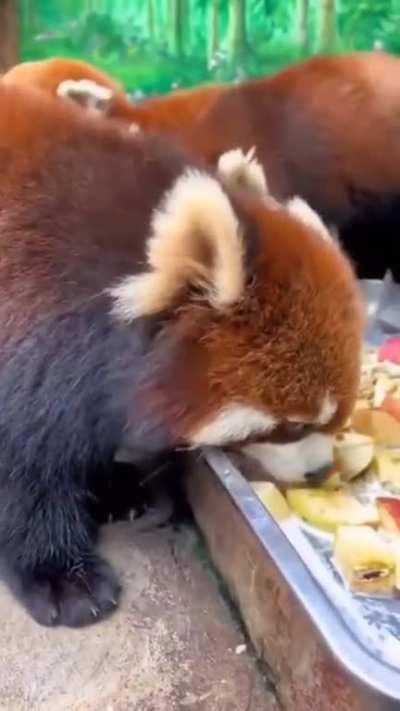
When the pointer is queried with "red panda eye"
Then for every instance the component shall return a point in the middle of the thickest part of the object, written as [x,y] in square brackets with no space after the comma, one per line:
[294,428]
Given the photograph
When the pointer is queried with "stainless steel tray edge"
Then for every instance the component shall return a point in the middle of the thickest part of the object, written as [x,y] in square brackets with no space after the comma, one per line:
[369,671]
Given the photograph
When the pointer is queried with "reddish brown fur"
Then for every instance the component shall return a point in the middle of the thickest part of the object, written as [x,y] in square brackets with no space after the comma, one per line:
[77,197]
[311,124]
[48,74]
[330,103]
[326,129]
[292,263]
[183,108]
[315,308]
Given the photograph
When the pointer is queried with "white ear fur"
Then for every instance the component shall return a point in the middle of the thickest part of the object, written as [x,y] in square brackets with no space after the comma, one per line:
[195,241]
[241,170]
[86,92]
[304,213]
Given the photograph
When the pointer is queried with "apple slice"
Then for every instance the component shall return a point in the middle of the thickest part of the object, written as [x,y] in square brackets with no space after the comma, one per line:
[382,387]
[272,499]
[365,560]
[389,513]
[362,404]
[397,573]
[379,425]
[330,509]
[388,467]
[353,453]
[391,405]
[332,481]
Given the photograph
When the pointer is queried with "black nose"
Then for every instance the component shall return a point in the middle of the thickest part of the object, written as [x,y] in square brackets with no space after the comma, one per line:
[318,475]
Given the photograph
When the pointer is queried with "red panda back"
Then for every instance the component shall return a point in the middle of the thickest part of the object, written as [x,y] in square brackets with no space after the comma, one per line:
[47,74]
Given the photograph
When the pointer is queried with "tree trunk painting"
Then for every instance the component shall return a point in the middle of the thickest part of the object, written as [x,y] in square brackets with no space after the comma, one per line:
[212,31]
[302,18]
[153,45]
[8,34]
[27,15]
[237,29]
[327,25]
[176,27]
[150,20]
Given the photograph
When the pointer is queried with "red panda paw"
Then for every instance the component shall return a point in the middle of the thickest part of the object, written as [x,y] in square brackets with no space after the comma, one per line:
[75,598]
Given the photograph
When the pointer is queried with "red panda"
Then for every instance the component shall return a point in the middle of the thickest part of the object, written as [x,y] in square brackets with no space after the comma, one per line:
[78,80]
[48,74]
[326,129]
[144,307]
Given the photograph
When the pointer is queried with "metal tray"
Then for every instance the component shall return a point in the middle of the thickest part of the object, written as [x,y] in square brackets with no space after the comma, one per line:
[361,633]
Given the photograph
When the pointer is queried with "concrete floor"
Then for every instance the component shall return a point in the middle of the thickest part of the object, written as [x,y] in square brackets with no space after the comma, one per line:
[171,646]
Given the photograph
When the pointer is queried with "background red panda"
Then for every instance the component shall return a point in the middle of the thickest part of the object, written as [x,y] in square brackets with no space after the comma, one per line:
[326,129]
[78,80]
[48,74]
[145,307]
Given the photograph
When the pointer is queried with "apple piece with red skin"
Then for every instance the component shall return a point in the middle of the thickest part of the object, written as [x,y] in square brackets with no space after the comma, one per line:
[390,350]
[389,513]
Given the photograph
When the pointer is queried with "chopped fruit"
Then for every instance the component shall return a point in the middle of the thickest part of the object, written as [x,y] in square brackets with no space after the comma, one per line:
[332,481]
[361,404]
[382,387]
[330,509]
[272,499]
[353,453]
[389,513]
[388,467]
[390,350]
[365,560]
[397,573]
[379,425]
[391,405]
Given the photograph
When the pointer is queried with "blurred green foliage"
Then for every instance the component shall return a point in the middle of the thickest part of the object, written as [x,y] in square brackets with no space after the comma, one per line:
[155,45]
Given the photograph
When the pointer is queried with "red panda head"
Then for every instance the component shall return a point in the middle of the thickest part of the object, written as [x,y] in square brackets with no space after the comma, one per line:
[265,319]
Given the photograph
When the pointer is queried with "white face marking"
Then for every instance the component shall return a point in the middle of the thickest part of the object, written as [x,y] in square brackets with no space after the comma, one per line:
[233,424]
[292,462]
[305,214]
[327,411]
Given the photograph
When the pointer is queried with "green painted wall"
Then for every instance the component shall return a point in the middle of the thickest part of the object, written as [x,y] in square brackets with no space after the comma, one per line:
[153,45]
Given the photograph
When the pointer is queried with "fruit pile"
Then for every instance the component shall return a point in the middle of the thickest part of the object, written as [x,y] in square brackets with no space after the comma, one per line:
[359,503]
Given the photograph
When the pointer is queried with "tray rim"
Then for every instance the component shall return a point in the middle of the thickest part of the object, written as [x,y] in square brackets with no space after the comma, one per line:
[350,654]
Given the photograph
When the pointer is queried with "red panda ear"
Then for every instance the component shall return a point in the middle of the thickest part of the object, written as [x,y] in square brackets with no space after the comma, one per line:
[195,241]
[302,211]
[238,170]
[86,93]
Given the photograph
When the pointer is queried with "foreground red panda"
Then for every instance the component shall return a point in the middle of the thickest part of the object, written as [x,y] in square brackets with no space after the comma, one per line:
[145,307]
[326,129]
